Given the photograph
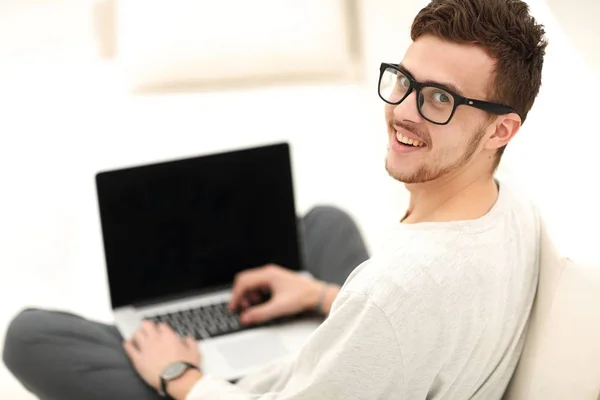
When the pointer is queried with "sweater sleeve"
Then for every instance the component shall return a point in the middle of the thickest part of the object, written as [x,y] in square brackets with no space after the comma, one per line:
[354,354]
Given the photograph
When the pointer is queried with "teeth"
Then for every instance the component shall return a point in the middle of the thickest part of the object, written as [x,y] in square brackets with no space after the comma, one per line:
[405,140]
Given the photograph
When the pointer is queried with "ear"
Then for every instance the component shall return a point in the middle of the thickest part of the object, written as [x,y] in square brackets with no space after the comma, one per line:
[506,127]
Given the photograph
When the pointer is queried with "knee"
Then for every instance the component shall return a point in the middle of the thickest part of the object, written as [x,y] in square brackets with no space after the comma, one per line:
[19,335]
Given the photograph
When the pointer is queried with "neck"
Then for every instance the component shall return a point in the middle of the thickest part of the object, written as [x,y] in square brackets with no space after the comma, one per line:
[452,197]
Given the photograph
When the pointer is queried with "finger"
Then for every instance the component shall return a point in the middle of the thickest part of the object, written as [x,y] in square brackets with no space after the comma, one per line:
[190,342]
[148,328]
[247,281]
[261,313]
[132,352]
[139,339]
[164,328]
[244,303]
[254,298]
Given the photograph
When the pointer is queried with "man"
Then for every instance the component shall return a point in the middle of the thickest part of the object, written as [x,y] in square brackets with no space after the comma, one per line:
[442,313]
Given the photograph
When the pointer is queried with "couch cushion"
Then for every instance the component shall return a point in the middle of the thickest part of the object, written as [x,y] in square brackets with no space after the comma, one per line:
[163,44]
[561,358]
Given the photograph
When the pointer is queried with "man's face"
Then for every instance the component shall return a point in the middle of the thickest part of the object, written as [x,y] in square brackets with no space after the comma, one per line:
[451,148]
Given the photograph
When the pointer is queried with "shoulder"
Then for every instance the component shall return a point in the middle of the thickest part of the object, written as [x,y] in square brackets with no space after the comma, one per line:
[446,274]
[453,261]
[394,277]
[516,200]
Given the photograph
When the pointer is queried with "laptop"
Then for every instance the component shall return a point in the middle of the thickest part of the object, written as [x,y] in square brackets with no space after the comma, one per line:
[175,235]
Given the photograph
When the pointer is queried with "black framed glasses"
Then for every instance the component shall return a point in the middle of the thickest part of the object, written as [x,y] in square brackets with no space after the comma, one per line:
[436,103]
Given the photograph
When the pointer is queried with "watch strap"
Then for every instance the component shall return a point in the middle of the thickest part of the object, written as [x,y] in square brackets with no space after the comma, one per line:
[163,382]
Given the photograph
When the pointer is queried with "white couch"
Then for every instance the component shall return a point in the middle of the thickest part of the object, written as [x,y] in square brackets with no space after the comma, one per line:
[561,359]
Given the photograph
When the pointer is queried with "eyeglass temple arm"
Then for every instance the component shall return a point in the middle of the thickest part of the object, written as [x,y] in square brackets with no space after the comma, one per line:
[489,107]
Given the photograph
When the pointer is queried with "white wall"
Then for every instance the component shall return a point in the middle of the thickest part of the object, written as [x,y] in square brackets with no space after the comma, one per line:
[579,20]
[65,116]
[555,155]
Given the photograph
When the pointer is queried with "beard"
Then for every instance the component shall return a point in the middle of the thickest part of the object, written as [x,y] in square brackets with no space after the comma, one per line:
[427,173]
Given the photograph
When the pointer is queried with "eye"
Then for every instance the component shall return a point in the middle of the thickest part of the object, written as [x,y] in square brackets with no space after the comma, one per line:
[403,81]
[441,97]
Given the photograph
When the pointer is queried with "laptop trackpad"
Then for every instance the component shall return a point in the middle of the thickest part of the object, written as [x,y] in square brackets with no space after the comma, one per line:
[249,352]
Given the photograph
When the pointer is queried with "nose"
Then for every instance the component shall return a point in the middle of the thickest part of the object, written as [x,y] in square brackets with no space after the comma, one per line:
[407,110]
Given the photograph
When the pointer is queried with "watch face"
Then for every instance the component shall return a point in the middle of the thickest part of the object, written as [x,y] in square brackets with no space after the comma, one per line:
[174,371]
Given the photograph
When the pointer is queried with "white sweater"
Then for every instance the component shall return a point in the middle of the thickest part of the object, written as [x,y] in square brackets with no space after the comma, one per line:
[441,314]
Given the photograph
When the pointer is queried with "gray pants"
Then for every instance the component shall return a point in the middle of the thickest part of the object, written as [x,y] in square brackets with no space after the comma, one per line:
[60,356]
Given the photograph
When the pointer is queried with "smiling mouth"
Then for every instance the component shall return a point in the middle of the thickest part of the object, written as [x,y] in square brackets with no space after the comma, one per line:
[407,141]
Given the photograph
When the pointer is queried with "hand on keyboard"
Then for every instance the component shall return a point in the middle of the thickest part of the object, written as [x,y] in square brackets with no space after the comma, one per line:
[289,294]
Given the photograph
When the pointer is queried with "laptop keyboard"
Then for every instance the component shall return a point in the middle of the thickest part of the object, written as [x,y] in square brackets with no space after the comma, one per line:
[208,321]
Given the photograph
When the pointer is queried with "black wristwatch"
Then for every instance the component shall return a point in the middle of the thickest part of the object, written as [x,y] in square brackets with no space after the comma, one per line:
[172,372]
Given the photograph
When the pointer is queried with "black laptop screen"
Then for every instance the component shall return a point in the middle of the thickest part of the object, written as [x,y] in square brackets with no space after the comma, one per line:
[188,225]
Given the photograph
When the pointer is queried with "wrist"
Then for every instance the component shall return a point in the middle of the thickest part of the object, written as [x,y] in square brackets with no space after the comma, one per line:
[328,296]
[179,388]
[319,296]
[311,296]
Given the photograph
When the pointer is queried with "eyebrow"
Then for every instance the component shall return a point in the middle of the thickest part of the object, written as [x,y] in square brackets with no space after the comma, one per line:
[449,86]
